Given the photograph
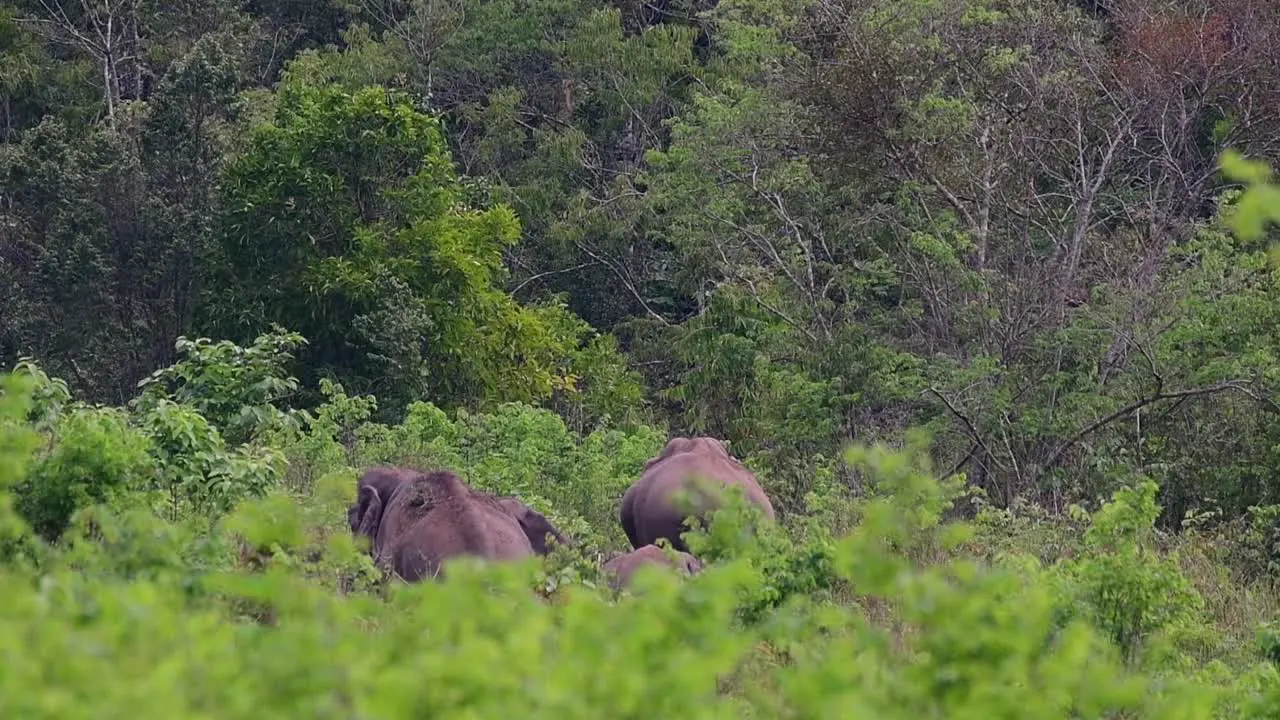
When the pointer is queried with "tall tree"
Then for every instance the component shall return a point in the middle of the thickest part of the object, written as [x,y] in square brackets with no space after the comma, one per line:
[346,221]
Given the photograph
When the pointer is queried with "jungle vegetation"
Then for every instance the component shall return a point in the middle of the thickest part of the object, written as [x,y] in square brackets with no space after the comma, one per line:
[982,291]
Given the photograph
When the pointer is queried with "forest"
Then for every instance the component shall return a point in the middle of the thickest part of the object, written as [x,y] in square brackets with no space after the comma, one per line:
[983,293]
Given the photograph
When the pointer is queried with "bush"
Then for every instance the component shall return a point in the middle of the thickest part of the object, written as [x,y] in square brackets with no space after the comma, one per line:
[93,456]
[252,613]
[1125,587]
[236,389]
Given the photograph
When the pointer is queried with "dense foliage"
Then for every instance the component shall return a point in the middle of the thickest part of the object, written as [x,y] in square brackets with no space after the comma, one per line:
[982,290]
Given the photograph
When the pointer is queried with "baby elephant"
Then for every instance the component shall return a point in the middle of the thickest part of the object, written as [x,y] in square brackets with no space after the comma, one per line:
[622,568]
[535,525]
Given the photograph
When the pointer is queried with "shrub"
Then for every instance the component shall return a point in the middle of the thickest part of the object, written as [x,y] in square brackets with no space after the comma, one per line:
[247,615]
[1122,584]
[92,455]
[237,389]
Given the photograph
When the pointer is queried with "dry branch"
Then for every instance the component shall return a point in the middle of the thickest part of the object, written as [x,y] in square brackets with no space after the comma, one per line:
[1138,405]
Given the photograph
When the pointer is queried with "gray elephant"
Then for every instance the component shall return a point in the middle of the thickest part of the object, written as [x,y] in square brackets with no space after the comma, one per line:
[428,518]
[648,511]
[535,525]
[622,568]
[376,485]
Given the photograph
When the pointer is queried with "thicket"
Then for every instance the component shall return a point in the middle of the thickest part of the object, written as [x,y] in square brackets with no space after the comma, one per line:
[186,575]
[964,282]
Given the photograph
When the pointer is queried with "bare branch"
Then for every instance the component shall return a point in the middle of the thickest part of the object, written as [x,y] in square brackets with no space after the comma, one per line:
[548,273]
[969,426]
[1079,435]
[626,281]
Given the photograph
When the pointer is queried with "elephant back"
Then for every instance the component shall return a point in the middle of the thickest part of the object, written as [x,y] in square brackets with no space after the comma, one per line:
[441,498]
[622,568]
[649,510]
[436,517]
[685,459]
[706,446]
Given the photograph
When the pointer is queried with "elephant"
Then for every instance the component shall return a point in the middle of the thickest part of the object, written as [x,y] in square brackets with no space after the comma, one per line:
[648,511]
[622,568]
[535,525]
[376,486]
[428,518]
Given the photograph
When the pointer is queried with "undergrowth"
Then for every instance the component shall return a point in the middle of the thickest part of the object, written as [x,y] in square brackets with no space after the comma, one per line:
[154,569]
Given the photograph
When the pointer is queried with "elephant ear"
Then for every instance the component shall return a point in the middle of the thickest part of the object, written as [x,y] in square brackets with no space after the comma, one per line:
[368,512]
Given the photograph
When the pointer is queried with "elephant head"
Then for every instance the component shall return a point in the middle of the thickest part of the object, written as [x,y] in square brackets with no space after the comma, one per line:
[374,489]
[622,569]
[649,510]
[535,525]
[434,516]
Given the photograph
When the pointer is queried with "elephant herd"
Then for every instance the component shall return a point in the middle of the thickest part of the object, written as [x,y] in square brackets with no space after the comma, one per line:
[415,521]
